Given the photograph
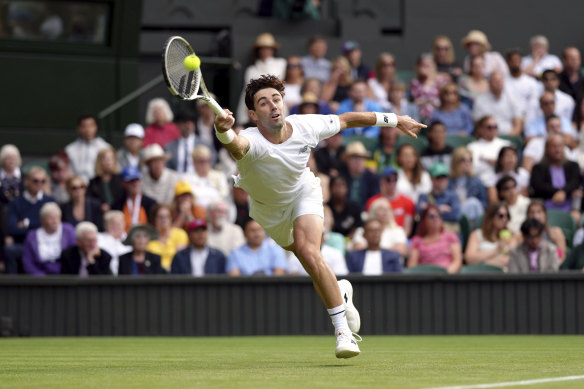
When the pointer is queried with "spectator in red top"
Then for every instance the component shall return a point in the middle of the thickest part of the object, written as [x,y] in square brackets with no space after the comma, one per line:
[403,207]
[160,128]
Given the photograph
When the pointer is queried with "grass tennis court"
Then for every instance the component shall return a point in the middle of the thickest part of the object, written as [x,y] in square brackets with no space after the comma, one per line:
[288,362]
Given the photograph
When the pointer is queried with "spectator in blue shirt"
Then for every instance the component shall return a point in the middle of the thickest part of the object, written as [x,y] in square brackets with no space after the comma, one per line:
[455,116]
[445,199]
[358,102]
[259,256]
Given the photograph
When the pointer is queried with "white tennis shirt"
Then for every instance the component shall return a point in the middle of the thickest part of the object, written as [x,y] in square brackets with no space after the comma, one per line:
[273,174]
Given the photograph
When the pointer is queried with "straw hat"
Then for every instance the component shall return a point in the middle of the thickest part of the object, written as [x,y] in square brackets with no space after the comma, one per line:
[476,36]
[266,40]
[154,151]
[356,149]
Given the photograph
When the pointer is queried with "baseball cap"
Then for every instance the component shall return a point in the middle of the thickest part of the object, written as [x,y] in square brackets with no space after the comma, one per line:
[438,169]
[181,188]
[389,170]
[134,129]
[351,45]
[195,224]
[131,173]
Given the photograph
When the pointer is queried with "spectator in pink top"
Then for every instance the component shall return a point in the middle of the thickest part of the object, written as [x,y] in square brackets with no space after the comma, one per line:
[433,245]
[160,128]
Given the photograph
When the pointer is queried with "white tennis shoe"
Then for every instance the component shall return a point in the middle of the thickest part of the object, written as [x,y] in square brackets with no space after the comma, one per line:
[347,345]
[353,317]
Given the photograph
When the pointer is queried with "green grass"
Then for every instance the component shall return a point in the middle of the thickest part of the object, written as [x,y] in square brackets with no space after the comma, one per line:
[287,362]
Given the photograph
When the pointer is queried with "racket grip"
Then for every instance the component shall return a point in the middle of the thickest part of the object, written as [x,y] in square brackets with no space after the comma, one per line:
[216,108]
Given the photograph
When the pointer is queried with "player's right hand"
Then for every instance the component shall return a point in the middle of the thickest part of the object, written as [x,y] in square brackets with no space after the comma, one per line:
[223,124]
[409,126]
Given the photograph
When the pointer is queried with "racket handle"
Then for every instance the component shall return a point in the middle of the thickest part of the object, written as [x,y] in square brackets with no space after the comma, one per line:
[216,107]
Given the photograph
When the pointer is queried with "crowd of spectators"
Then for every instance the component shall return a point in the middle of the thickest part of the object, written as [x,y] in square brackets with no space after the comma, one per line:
[486,183]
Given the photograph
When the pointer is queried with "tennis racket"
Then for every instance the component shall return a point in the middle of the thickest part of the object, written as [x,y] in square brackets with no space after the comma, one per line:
[181,82]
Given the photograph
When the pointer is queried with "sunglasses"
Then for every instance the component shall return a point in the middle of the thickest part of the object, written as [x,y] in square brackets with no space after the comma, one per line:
[39,181]
[77,187]
[503,215]
[492,127]
[442,48]
[391,179]
[433,215]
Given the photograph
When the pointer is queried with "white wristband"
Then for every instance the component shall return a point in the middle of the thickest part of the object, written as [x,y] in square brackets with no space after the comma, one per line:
[225,137]
[385,119]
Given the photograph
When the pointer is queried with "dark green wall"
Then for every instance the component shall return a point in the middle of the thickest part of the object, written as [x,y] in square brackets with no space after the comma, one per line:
[46,85]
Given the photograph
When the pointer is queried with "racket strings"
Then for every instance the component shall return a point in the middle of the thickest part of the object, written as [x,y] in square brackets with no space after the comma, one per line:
[183,82]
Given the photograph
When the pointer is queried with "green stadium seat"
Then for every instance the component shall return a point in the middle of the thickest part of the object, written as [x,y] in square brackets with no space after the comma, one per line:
[517,141]
[419,143]
[455,141]
[369,143]
[480,268]
[425,269]
[563,220]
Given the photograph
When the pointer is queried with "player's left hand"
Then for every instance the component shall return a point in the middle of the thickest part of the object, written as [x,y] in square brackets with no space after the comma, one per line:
[409,126]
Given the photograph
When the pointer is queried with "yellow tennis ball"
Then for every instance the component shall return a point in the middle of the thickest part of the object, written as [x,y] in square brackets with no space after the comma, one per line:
[192,62]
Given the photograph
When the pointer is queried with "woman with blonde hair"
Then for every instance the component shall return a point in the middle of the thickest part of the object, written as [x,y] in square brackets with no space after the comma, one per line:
[81,207]
[337,88]
[393,236]
[425,86]
[385,75]
[10,175]
[468,187]
[443,53]
[159,120]
[491,243]
[106,186]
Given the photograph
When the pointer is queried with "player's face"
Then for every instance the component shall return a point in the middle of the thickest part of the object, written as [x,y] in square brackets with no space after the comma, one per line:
[269,109]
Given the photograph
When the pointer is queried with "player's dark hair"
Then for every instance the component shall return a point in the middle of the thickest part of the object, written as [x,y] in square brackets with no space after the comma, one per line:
[255,85]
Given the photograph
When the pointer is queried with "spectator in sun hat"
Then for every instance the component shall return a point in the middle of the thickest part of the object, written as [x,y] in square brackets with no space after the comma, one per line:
[129,153]
[157,178]
[352,50]
[198,259]
[477,44]
[361,181]
[184,206]
[134,204]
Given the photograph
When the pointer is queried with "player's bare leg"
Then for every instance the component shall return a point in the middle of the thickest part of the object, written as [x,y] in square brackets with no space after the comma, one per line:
[307,240]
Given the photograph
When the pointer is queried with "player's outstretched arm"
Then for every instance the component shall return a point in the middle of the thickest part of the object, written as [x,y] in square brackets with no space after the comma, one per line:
[404,123]
[235,144]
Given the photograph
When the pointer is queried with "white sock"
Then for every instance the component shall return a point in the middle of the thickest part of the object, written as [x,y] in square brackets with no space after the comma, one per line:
[337,315]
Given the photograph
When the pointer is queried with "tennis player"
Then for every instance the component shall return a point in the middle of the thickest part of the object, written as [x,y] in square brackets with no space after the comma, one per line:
[286,198]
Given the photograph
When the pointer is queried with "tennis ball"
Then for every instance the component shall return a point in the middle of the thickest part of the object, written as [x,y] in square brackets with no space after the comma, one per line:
[192,62]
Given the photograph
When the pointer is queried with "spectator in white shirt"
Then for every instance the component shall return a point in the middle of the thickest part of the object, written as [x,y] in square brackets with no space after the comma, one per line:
[564,102]
[83,151]
[112,240]
[540,60]
[522,86]
[485,150]
[500,104]
[158,180]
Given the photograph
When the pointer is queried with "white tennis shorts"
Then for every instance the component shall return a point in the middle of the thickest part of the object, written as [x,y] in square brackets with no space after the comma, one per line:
[278,222]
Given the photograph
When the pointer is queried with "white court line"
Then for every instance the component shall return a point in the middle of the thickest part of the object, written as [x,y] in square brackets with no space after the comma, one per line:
[514,383]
